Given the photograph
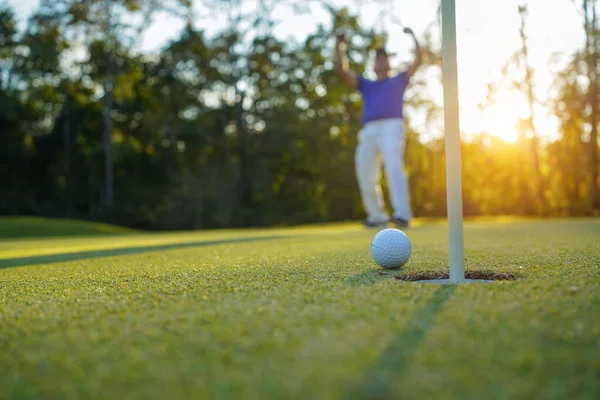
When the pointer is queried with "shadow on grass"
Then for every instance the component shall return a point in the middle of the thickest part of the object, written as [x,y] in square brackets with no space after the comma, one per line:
[378,383]
[367,278]
[84,255]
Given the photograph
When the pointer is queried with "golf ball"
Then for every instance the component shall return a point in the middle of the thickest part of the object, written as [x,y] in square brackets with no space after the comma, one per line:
[391,248]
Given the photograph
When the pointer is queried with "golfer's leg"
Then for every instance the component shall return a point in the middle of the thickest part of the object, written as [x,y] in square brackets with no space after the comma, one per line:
[392,147]
[368,166]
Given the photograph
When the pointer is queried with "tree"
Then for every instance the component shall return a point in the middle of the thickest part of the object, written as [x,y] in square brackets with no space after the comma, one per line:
[243,128]
[592,53]
[105,20]
[527,87]
[568,160]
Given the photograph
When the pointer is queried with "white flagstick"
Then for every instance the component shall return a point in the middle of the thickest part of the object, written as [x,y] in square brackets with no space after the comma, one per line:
[453,154]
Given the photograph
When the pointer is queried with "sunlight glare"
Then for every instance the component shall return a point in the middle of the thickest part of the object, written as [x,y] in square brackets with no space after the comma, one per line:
[501,118]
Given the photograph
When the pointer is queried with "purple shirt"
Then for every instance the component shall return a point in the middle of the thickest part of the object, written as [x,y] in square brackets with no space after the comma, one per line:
[383,99]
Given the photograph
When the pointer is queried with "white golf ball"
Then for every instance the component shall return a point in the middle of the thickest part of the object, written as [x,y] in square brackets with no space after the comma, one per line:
[391,248]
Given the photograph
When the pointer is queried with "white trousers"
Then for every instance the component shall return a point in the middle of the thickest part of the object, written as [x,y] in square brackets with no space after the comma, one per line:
[383,139]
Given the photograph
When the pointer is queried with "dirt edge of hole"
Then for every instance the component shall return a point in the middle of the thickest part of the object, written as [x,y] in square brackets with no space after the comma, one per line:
[432,275]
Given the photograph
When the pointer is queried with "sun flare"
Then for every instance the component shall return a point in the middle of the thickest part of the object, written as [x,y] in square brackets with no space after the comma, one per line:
[499,121]
[501,118]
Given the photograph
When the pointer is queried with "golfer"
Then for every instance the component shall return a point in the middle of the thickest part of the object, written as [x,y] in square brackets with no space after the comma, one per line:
[382,136]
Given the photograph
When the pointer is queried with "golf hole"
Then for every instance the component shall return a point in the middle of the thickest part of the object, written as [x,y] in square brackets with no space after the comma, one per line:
[437,275]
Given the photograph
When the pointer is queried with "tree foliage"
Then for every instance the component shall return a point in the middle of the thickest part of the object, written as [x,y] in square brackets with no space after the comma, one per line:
[235,129]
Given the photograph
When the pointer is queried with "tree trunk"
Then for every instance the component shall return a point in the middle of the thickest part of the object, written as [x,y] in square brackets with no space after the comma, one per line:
[534,146]
[593,70]
[245,184]
[534,140]
[92,193]
[525,197]
[67,159]
[198,194]
[591,57]
[108,161]
[172,135]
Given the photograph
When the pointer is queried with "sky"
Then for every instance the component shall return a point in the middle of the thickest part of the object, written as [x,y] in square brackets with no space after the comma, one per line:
[487,37]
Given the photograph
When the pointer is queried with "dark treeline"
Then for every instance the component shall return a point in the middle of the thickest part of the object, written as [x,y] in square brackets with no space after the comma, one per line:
[243,129]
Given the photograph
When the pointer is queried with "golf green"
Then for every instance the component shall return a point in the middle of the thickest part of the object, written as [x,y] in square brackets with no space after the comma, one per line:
[302,313]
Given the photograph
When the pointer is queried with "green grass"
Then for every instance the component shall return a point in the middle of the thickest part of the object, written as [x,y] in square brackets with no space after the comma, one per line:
[34,227]
[301,313]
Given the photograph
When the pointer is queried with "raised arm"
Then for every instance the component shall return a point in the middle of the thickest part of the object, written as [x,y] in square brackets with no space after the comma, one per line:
[418,54]
[341,63]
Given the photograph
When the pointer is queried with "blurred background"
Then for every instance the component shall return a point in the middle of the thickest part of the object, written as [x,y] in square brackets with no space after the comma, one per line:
[197,114]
